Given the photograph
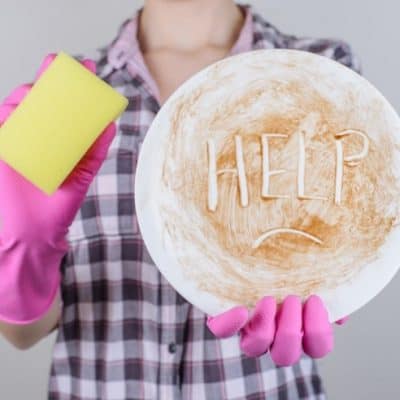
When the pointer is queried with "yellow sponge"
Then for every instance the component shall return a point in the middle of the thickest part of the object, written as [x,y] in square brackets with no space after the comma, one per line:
[57,122]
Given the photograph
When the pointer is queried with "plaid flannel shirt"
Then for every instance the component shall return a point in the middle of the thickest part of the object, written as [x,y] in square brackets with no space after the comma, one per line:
[125,333]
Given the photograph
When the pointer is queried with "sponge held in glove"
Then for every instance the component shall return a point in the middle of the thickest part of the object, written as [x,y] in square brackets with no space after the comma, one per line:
[53,127]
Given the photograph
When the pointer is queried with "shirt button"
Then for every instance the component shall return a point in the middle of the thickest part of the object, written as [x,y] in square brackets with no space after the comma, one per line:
[172,348]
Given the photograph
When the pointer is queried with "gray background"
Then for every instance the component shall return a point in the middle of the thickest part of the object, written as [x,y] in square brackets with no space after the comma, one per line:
[364,364]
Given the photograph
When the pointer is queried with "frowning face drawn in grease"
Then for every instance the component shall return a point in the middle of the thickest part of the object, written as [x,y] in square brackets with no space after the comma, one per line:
[278,178]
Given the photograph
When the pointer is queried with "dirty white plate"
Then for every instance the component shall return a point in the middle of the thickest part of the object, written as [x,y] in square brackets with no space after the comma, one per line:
[243,132]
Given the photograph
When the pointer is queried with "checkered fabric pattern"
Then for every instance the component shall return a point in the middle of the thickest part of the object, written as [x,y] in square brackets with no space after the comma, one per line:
[125,333]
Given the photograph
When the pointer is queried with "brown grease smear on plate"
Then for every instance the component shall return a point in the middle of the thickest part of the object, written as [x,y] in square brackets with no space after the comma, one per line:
[351,232]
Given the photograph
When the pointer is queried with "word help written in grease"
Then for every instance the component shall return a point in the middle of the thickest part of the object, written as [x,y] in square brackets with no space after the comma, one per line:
[265,141]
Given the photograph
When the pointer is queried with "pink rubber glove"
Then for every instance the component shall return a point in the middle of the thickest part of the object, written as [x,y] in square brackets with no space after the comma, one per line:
[286,332]
[33,226]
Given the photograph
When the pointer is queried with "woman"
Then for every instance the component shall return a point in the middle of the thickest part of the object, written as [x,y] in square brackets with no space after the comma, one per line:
[123,331]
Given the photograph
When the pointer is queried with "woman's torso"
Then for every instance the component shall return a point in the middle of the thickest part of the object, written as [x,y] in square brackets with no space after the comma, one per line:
[125,333]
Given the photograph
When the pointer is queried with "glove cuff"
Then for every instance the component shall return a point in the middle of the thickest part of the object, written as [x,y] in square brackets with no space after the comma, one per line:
[30,279]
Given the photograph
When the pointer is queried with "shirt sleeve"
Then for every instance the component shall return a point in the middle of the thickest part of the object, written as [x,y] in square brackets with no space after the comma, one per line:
[335,49]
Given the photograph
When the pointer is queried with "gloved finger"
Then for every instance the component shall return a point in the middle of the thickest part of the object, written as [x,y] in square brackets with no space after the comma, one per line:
[18,94]
[318,332]
[5,112]
[228,323]
[90,65]
[342,321]
[95,156]
[258,334]
[286,348]
[45,64]
[79,180]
